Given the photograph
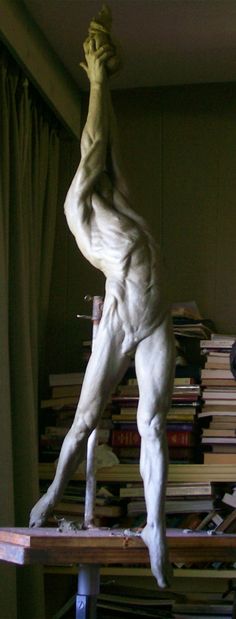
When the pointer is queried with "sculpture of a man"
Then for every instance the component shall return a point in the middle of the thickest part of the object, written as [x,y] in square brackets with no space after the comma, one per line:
[135,319]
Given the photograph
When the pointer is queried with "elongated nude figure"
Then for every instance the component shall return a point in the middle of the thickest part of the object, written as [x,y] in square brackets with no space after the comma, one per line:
[135,319]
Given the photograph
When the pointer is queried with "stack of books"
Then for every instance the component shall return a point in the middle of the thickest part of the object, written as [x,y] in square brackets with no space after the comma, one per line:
[57,414]
[185,600]
[110,508]
[189,328]
[182,428]
[182,425]
[218,414]
[181,499]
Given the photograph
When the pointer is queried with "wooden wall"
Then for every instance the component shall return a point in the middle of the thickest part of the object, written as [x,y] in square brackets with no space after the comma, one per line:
[179,148]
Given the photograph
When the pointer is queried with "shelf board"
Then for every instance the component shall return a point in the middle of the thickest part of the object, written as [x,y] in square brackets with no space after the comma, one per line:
[144,572]
[122,473]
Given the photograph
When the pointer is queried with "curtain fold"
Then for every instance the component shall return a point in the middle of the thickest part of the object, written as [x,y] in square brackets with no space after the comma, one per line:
[29,158]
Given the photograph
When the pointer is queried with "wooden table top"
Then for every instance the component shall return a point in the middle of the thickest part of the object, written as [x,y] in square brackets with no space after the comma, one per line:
[48,546]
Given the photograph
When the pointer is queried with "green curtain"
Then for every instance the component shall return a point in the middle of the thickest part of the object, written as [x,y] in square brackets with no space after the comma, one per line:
[29,158]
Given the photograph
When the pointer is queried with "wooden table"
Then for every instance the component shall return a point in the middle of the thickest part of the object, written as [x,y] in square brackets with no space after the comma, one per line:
[24,546]
[89,549]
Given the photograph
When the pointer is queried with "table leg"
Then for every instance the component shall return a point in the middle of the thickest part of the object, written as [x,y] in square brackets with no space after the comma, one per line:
[88,589]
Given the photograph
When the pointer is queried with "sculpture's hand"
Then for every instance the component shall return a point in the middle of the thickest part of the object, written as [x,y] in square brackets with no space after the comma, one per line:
[96,60]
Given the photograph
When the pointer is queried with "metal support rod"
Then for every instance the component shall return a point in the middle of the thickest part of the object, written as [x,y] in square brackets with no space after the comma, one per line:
[90,491]
[88,589]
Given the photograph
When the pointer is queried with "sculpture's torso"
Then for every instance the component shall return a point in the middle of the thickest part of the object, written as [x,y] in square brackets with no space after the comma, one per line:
[122,247]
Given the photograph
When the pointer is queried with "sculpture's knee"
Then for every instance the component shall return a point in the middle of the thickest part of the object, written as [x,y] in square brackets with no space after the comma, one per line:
[80,430]
[151,429]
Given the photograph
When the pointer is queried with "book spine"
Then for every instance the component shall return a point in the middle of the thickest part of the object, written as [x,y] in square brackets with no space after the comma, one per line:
[183,454]
[180,427]
[66,379]
[66,391]
[121,438]
[178,380]
[181,438]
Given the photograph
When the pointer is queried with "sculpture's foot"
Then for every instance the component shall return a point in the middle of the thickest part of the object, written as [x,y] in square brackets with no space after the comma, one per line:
[160,565]
[40,512]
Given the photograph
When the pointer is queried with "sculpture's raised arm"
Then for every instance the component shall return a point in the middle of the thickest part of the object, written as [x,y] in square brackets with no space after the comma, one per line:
[95,133]
[115,155]
[94,137]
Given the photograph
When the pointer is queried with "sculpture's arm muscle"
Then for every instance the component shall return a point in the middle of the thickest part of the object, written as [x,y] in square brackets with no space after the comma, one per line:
[93,146]
[78,204]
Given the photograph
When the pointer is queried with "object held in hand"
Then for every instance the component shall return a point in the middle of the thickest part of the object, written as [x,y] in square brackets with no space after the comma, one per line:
[100,31]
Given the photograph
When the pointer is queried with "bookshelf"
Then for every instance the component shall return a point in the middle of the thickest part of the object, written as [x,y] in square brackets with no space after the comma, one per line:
[130,473]
[145,572]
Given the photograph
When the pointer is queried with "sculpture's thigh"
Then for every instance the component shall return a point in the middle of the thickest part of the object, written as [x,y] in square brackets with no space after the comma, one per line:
[155,365]
[104,371]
